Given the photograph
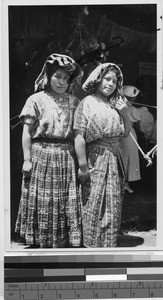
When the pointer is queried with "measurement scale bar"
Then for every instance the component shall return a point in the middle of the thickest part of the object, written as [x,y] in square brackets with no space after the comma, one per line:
[26,280]
[80,290]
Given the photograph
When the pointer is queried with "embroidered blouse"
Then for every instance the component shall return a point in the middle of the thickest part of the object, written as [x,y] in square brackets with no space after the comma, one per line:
[52,117]
[98,119]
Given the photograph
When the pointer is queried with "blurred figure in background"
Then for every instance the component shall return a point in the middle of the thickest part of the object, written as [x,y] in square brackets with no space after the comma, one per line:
[145,123]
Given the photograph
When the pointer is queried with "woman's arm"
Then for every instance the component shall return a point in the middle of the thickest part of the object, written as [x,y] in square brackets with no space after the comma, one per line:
[80,149]
[122,108]
[26,144]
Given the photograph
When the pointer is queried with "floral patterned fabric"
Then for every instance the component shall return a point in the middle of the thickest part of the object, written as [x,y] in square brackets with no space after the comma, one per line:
[52,116]
[103,192]
[49,210]
[98,119]
[102,196]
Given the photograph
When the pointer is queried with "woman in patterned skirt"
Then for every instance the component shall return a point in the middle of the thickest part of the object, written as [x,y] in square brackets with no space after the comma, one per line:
[100,120]
[49,210]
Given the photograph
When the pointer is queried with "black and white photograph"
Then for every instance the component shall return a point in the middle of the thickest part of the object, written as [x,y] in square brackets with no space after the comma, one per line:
[82,96]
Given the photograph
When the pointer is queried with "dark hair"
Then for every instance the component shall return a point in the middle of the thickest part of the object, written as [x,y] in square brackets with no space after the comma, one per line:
[51,69]
[111,69]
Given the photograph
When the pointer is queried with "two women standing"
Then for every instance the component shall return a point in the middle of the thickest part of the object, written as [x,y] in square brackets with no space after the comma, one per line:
[51,213]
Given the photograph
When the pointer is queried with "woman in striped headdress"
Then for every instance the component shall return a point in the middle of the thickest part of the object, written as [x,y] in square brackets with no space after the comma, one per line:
[49,210]
[100,120]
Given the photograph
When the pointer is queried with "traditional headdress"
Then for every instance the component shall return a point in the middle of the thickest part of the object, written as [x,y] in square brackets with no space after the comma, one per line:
[97,74]
[63,61]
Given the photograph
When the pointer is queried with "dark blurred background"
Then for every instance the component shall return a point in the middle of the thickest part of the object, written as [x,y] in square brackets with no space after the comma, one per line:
[121,34]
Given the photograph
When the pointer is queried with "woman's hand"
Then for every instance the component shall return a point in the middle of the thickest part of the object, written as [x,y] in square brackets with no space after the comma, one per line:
[83,173]
[27,166]
[123,110]
[121,107]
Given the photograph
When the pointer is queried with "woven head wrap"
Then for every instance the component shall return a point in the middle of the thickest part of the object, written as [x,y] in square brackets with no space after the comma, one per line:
[97,74]
[64,61]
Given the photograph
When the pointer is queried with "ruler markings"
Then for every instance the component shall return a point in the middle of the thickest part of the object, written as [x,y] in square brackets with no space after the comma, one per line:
[47,295]
[139,293]
[158,283]
[149,284]
[82,285]
[156,292]
[83,294]
[54,285]
[103,293]
[30,286]
[30,295]
[124,285]
[67,286]
[101,285]
[146,283]
[134,285]
[43,286]
[10,286]
[78,285]
[14,295]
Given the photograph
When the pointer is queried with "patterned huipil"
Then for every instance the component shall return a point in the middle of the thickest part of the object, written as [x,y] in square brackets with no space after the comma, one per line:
[103,192]
[49,210]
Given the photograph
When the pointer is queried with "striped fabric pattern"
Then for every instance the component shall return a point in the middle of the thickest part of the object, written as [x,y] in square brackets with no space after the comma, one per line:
[49,211]
[102,196]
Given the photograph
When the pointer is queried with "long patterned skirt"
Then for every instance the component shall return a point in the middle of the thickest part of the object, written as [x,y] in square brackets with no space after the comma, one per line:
[102,196]
[49,212]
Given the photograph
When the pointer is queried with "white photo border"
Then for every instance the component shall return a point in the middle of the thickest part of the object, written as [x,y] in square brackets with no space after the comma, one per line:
[6,134]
